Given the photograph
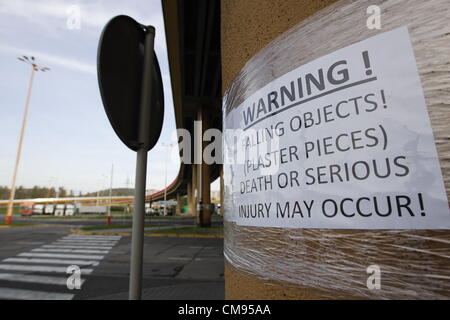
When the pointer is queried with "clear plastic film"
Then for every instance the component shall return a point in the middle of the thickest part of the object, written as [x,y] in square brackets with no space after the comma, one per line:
[334,262]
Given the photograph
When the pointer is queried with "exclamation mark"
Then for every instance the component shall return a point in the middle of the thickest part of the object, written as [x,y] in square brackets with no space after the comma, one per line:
[422,208]
[365,55]
[383,98]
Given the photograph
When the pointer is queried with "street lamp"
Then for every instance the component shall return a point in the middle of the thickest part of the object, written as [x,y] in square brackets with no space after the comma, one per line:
[34,67]
[168,145]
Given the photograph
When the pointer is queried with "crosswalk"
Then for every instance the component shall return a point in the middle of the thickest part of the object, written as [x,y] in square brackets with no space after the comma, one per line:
[41,273]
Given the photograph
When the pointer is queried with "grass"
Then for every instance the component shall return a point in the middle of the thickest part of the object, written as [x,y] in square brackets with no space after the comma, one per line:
[16,210]
[82,217]
[216,230]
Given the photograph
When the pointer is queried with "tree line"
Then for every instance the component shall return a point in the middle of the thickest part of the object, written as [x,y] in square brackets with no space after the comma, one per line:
[59,192]
[35,192]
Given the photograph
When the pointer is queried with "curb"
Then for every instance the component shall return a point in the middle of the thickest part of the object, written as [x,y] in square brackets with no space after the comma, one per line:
[127,234]
[33,225]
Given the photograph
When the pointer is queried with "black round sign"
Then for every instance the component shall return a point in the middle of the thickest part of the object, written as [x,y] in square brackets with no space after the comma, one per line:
[119,68]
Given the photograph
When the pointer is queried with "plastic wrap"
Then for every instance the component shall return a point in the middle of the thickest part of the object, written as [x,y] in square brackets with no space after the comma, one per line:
[332,263]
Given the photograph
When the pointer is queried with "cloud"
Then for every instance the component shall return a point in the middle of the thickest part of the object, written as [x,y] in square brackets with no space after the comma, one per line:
[51,60]
[93,14]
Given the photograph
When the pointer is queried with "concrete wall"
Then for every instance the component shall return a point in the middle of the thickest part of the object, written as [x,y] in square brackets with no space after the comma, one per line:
[247,27]
[417,259]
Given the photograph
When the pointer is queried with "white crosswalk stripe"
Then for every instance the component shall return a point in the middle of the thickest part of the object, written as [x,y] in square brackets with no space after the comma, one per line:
[35,279]
[87,243]
[8,293]
[85,251]
[69,250]
[18,267]
[89,239]
[97,242]
[54,261]
[93,237]
[61,255]
[77,246]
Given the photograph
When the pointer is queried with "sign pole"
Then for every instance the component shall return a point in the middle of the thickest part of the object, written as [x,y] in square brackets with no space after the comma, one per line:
[141,170]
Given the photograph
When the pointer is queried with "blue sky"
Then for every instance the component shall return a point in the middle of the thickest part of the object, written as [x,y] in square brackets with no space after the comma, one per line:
[68,139]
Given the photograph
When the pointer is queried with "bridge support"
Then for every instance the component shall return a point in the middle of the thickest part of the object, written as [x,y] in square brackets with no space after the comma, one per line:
[178,206]
[202,173]
[190,198]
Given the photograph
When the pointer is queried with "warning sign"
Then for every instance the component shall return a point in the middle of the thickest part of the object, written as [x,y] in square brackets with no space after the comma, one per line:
[343,142]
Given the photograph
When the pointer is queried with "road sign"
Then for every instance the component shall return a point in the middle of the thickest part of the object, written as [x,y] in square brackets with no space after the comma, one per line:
[131,88]
[120,71]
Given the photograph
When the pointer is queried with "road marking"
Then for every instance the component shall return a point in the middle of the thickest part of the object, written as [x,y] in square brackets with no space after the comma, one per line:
[185,259]
[84,242]
[70,250]
[19,277]
[79,236]
[8,293]
[88,241]
[84,251]
[77,246]
[54,261]
[92,237]
[17,267]
[58,255]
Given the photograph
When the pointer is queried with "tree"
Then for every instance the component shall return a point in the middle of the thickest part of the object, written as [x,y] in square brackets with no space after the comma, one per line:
[62,192]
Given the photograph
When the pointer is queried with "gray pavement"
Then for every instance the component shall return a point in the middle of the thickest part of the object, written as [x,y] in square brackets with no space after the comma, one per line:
[33,262]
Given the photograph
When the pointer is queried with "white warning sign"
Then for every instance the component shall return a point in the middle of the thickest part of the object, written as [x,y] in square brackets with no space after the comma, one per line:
[342,142]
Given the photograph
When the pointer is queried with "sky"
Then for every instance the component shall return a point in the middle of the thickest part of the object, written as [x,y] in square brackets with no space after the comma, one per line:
[68,140]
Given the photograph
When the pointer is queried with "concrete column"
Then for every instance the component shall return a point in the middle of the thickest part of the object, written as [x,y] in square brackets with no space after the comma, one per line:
[204,176]
[178,206]
[190,200]
[222,190]
[194,190]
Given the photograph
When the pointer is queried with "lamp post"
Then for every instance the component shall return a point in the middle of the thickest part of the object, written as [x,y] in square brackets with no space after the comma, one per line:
[108,217]
[34,67]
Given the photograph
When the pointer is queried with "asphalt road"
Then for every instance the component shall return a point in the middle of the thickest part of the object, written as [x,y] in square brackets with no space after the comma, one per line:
[77,222]
[34,261]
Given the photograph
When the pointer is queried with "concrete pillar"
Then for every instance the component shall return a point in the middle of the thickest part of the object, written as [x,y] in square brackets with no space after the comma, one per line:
[178,206]
[204,176]
[190,200]
[194,190]
[222,190]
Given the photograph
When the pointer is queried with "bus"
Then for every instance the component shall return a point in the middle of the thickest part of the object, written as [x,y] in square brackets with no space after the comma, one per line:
[26,209]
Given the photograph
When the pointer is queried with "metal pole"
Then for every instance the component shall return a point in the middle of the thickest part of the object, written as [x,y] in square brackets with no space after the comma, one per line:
[138,226]
[137,245]
[200,211]
[165,188]
[165,179]
[108,218]
[9,212]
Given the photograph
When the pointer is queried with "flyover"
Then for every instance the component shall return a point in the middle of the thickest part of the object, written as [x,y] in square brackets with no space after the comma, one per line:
[193,44]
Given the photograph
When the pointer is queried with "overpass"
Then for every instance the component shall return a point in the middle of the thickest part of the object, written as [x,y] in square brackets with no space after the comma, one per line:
[193,44]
